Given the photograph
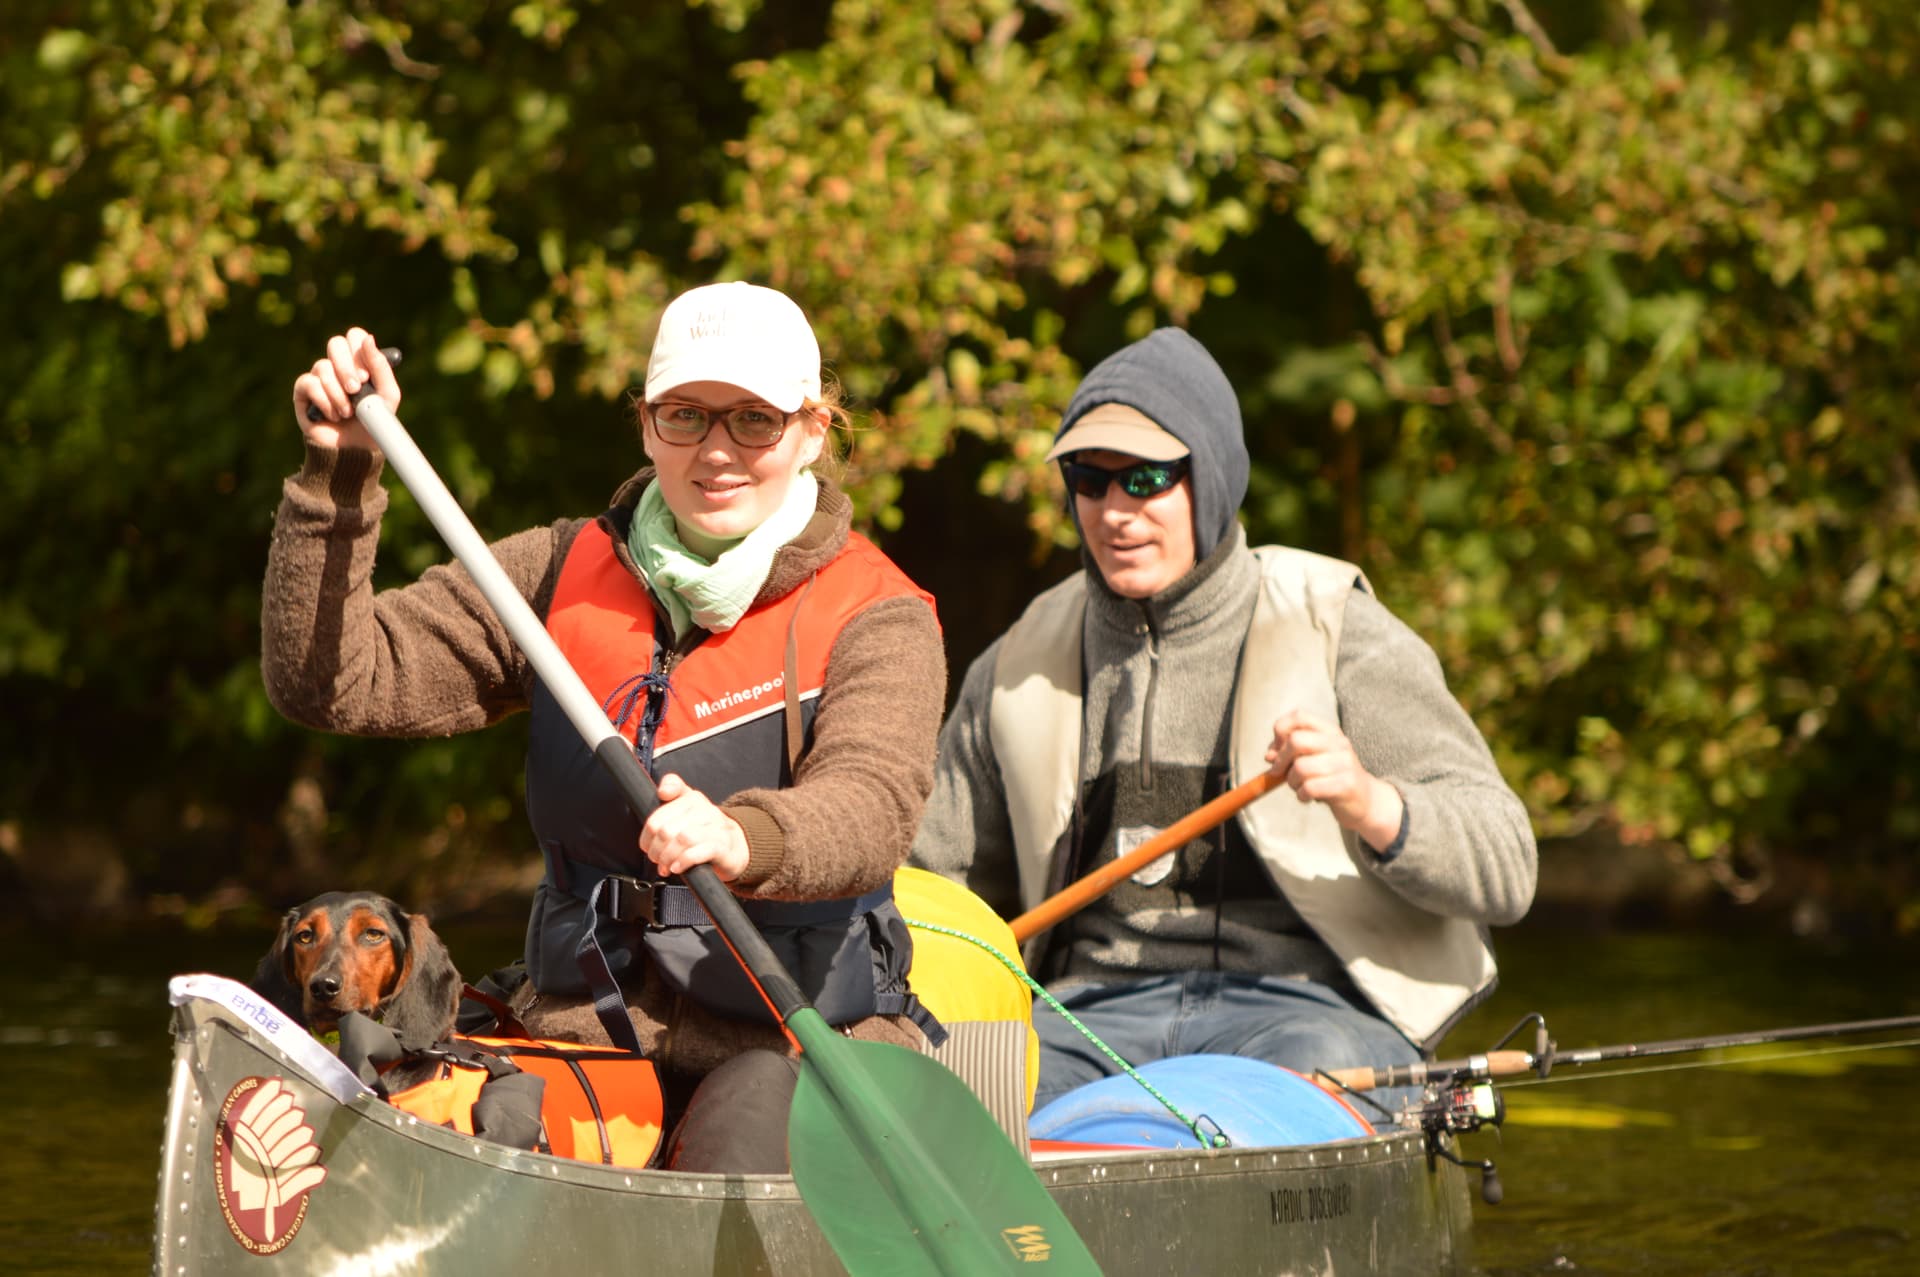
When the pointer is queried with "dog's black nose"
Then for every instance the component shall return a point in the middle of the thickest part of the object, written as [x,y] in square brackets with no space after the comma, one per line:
[324,987]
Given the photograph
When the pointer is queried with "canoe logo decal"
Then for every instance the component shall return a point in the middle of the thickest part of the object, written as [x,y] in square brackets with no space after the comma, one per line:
[265,1163]
[1029,1242]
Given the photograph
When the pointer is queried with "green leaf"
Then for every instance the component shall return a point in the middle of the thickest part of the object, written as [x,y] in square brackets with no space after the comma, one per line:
[461,352]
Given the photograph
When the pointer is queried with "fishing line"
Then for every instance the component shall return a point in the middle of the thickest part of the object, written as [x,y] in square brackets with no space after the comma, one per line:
[1507,1084]
[1213,1138]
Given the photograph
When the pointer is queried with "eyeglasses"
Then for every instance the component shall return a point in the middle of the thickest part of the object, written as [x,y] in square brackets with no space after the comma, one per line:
[751,425]
[1142,479]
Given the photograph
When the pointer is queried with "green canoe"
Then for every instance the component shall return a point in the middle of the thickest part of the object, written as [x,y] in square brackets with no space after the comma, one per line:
[354,1186]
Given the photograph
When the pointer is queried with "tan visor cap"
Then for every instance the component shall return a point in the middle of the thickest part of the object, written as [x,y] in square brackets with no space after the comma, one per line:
[1118,427]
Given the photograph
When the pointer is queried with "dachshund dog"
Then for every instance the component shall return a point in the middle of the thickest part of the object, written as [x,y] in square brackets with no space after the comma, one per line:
[357,951]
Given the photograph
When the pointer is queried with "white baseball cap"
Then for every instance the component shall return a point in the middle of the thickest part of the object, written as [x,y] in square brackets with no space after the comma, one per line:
[739,333]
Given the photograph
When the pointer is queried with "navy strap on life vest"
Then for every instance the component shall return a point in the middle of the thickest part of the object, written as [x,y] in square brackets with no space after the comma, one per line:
[909,1005]
[659,904]
[670,904]
[609,1004]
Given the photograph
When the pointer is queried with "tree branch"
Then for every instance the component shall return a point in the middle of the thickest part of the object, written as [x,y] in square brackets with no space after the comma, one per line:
[1466,387]
[1529,26]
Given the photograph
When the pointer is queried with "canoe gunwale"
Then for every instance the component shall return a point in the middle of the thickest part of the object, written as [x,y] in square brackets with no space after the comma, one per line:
[1143,1165]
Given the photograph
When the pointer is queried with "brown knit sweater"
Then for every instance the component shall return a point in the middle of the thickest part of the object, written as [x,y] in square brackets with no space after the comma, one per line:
[431,659]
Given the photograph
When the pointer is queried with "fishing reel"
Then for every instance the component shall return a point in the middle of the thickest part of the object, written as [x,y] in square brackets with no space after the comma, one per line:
[1461,1101]
[1460,1107]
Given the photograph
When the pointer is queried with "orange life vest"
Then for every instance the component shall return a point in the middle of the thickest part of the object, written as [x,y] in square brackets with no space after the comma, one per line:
[716,714]
[598,1103]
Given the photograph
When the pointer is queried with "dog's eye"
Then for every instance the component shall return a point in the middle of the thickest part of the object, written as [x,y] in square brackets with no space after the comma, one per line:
[373,936]
[303,936]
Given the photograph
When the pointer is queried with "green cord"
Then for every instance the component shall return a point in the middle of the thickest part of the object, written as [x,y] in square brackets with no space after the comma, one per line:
[1215,1139]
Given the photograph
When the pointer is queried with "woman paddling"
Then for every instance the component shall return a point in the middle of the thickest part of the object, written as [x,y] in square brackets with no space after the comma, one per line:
[776,673]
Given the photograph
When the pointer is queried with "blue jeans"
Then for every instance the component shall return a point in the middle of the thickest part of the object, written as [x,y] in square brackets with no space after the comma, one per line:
[1297,1024]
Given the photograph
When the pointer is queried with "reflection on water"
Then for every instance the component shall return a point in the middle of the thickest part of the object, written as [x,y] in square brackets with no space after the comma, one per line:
[1794,1158]
[1775,1162]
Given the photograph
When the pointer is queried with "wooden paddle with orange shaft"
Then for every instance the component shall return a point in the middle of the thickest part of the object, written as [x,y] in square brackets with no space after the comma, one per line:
[1079,895]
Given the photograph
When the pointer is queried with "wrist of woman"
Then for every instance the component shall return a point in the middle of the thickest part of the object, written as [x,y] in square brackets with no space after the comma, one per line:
[762,842]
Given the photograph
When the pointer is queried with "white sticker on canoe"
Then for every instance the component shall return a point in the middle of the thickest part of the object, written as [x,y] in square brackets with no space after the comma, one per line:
[287,1038]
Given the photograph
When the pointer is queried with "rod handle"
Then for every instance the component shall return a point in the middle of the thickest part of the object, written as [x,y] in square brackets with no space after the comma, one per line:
[1492,1064]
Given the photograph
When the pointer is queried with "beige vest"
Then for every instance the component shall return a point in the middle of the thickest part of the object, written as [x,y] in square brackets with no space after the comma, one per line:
[1419,969]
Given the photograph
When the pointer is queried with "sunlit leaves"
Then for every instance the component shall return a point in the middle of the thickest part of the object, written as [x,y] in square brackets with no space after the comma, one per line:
[1599,357]
[1660,292]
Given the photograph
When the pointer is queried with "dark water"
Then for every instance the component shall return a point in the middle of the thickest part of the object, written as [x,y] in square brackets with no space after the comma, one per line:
[1762,1168]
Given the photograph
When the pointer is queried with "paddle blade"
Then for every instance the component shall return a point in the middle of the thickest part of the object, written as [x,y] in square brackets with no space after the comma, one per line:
[906,1172]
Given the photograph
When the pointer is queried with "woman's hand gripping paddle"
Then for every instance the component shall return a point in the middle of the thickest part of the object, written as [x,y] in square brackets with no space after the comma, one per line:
[902,1167]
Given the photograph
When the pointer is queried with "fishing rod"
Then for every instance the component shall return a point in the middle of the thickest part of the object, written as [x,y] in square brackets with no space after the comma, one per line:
[1460,1097]
[1496,1062]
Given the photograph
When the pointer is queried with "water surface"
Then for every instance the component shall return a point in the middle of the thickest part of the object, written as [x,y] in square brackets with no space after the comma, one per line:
[1758,1168]
[1775,1161]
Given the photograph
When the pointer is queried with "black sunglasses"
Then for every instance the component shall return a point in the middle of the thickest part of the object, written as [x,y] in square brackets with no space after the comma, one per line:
[1142,479]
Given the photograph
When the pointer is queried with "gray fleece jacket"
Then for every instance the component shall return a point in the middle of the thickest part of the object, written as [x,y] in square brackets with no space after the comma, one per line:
[1159,685]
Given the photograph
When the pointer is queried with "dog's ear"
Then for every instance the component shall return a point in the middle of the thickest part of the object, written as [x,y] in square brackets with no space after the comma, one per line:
[422,1009]
[273,977]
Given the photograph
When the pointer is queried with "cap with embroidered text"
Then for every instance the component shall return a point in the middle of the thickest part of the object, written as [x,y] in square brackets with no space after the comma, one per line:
[739,333]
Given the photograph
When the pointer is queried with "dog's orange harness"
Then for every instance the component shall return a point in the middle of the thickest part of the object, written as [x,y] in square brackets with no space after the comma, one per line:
[599,1103]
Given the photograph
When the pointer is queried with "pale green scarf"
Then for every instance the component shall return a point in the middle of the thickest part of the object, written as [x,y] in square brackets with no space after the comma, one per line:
[713,594]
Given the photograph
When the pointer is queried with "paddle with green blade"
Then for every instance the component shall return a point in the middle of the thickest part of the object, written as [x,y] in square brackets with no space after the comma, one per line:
[902,1167]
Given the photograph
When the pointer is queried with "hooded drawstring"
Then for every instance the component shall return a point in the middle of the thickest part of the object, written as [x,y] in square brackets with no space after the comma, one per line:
[1146,707]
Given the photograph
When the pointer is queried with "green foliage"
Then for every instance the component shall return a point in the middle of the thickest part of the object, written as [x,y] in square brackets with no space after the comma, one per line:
[1596,354]
[1669,304]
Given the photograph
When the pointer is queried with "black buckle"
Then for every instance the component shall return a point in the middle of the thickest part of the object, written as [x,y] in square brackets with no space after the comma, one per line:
[630,899]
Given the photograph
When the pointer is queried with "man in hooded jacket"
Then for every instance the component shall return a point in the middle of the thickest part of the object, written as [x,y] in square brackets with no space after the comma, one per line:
[1341,924]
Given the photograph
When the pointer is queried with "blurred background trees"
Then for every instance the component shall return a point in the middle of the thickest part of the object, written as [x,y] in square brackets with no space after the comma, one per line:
[1586,327]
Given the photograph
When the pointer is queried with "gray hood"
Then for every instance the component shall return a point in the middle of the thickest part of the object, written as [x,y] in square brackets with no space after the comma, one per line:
[1171,378]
